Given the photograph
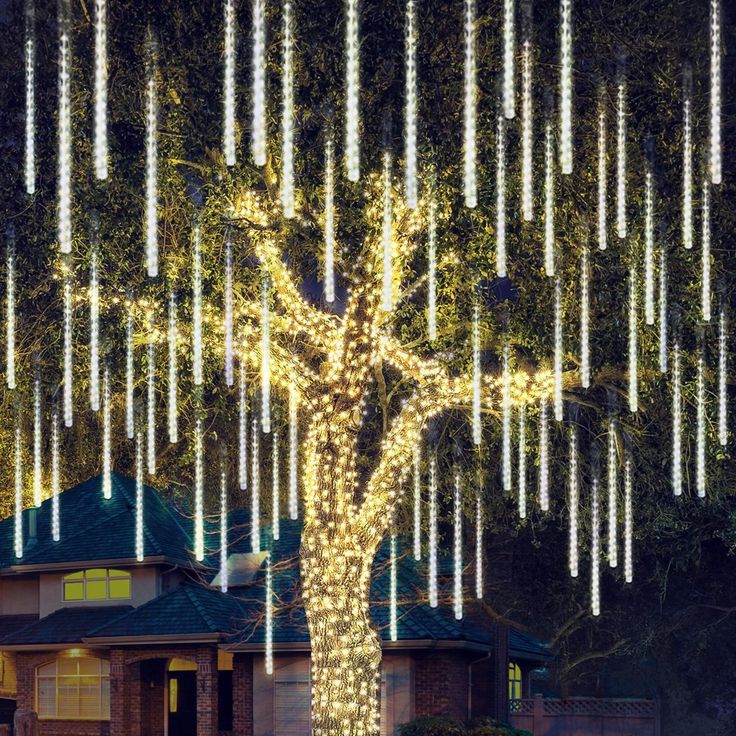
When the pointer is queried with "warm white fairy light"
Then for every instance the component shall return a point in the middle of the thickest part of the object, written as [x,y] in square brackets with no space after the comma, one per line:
[37,478]
[64,182]
[258,143]
[432,271]
[387,243]
[506,420]
[676,423]
[151,410]
[101,89]
[722,377]
[410,132]
[433,532]
[501,197]
[715,91]
[55,478]
[94,334]
[469,111]
[558,352]
[265,359]
[478,546]
[549,202]
[68,358]
[10,317]
[139,496]
[106,435]
[242,429]
[293,453]
[275,488]
[705,267]
[287,116]
[595,551]
[602,178]
[566,86]
[18,465]
[329,231]
[612,467]
[573,503]
[228,323]
[255,490]
[509,41]
[173,409]
[633,344]
[700,436]
[544,453]
[457,538]
[268,653]
[477,378]
[152,172]
[662,308]
[687,174]
[522,461]
[229,88]
[649,249]
[129,377]
[527,206]
[352,111]
[393,618]
[223,532]
[585,320]
[628,523]
[30,71]
[198,491]
[417,478]
[621,224]
[197,307]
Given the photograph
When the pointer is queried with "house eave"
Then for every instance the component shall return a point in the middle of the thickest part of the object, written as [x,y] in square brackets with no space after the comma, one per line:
[403,644]
[22,569]
[153,639]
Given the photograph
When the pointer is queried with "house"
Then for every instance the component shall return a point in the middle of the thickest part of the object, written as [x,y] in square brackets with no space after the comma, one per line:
[98,643]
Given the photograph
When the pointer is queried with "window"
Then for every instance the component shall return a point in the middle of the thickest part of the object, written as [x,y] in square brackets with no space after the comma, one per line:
[76,688]
[98,584]
[514,681]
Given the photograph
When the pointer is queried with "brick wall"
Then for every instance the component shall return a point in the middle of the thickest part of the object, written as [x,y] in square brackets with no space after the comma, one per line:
[441,684]
[243,695]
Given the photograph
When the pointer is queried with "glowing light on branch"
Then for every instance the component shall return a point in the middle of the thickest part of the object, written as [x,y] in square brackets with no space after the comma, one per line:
[242,429]
[255,490]
[506,421]
[223,533]
[687,175]
[106,436]
[715,92]
[64,183]
[198,490]
[700,438]
[602,178]
[628,524]
[566,86]
[705,270]
[477,424]
[258,144]
[265,359]
[229,364]
[432,271]
[287,117]
[101,89]
[152,172]
[10,316]
[501,197]
[549,202]
[649,250]
[173,410]
[544,453]
[151,410]
[229,88]
[18,465]
[387,243]
[410,155]
[612,496]
[585,320]
[633,345]
[68,373]
[197,308]
[662,308]
[268,654]
[275,488]
[457,538]
[94,334]
[393,629]
[129,368]
[527,206]
[293,453]
[558,352]
[522,461]
[37,478]
[621,225]
[139,496]
[722,377]
[470,179]
[417,457]
[329,232]
[352,110]
[676,423]
[573,503]
[478,547]
[55,480]
[595,552]
[30,69]
[433,532]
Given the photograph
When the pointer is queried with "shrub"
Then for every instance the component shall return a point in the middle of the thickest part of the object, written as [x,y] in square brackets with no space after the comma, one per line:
[443,726]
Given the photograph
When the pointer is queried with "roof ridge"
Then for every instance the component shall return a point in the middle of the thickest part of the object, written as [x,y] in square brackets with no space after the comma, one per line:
[200,608]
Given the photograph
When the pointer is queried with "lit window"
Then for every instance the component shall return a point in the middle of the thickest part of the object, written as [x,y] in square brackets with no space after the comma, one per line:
[98,584]
[514,681]
[75,688]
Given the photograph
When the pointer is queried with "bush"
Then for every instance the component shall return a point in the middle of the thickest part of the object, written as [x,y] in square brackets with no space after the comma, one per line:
[443,726]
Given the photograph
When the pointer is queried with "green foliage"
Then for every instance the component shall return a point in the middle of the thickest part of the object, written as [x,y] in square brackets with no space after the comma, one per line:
[444,726]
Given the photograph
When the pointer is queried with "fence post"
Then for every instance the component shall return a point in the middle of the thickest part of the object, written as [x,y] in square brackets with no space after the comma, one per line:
[538,719]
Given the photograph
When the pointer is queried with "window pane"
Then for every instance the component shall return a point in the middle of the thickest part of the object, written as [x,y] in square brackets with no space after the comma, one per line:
[173,695]
[89,666]
[68,665]
[120,589]
[96,590]
[47,670]
[96,573]
[118,574]
[74,591]
[68,698]
[89,700]
[105,705]
[74,575]
[46,697]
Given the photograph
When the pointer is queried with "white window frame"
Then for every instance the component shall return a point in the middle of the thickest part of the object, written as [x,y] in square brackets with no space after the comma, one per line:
[123,575]
[103,712]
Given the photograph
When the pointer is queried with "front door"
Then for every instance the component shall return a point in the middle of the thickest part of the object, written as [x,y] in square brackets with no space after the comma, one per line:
[182,704]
